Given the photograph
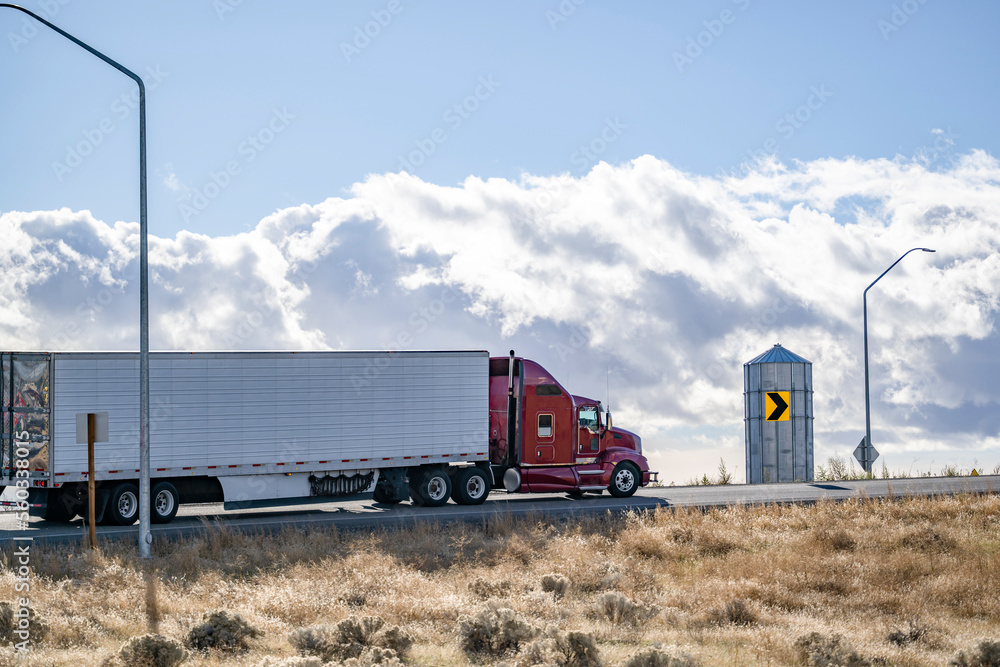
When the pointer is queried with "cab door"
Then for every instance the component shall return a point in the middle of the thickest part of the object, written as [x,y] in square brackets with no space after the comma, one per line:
[588,419]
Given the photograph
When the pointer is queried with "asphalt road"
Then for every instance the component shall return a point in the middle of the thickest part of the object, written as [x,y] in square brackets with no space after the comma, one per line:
[364,513]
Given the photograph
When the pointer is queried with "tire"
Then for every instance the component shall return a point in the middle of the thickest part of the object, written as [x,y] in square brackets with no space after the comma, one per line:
[383,494]
[163,503]
[431,488]
[123,505]
[471,487]
[625,480]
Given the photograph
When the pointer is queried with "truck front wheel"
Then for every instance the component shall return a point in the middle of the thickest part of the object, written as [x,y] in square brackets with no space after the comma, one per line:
[163,503]
[123,506]
[624,480]
[431,488]
[471,487]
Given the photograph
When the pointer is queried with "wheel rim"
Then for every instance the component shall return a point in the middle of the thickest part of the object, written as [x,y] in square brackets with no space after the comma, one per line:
[476,486]
[624,479]
[437,488]
[164,503]
[127,504]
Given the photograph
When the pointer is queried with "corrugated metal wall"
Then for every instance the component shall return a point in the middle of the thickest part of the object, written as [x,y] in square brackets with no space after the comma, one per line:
[778,451]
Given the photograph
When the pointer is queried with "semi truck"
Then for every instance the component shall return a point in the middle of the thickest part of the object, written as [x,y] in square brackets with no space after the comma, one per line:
[253,429]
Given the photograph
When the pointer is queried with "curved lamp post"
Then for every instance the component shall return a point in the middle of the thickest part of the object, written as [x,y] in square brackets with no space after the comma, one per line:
[867,463]
[145,538]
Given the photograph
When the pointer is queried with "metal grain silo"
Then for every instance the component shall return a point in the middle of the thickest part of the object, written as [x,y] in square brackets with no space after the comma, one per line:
[778,413]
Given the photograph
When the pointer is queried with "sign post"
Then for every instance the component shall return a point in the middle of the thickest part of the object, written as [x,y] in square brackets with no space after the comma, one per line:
[866,454]
[91,427]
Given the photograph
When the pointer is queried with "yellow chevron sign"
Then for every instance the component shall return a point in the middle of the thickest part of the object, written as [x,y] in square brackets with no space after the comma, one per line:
[776,406]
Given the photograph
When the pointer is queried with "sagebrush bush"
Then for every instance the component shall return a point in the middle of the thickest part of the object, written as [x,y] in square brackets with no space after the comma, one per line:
[556,584]
[494,631]
[657,657]
[35,626]
[375,656]
[986,654]
[617,608]
[222,631]
[561,649]
[350,638]
[736,612]
[820,650]
[484,589]
[297,661]
[916,632]
[151,651]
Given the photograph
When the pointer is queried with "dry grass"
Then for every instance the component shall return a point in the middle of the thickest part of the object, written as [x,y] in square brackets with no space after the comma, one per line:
[904,582]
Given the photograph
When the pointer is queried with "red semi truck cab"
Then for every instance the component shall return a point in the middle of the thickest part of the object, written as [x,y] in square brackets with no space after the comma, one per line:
[561,442]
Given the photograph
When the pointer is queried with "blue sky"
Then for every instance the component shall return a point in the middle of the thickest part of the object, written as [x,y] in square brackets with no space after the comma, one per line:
[217,72]
[664,190]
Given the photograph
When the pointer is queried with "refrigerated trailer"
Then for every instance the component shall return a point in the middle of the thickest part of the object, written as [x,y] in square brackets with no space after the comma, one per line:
[252,429]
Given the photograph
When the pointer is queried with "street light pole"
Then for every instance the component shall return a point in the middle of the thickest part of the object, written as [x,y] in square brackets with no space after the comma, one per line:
[868,415]
[145,538]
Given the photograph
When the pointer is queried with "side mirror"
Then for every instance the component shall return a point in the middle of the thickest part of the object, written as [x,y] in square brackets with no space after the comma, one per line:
[608,420]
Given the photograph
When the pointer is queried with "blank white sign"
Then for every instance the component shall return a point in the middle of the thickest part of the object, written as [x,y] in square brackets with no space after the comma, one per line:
[100,427]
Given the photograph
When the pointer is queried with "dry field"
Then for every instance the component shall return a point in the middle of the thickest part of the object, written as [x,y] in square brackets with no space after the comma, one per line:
[899,582]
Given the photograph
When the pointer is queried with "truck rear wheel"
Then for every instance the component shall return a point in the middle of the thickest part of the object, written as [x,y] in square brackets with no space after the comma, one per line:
[123,506]
[624,480]
[430,488]
[163,501]
[471,487]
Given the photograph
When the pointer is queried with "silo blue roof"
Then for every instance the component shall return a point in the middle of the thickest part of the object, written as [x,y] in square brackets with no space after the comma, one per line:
[778,355]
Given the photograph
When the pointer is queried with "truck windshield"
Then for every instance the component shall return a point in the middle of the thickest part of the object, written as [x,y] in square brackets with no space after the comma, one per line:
[588,418]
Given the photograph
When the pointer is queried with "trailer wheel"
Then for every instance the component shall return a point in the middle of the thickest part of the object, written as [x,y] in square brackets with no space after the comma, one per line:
[123,506]
[431,488]
[163,501]
[471,487]
[624,480]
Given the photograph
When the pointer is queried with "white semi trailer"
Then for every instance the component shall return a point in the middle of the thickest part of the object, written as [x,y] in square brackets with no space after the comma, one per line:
[246,428]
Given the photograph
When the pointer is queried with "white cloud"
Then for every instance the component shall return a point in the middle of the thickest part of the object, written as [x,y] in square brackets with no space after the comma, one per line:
[672,279]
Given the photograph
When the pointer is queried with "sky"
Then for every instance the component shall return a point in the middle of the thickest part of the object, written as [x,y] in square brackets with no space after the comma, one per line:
[640,196]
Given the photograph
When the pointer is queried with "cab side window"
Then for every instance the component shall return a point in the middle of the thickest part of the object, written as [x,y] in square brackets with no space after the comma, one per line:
[544,426]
